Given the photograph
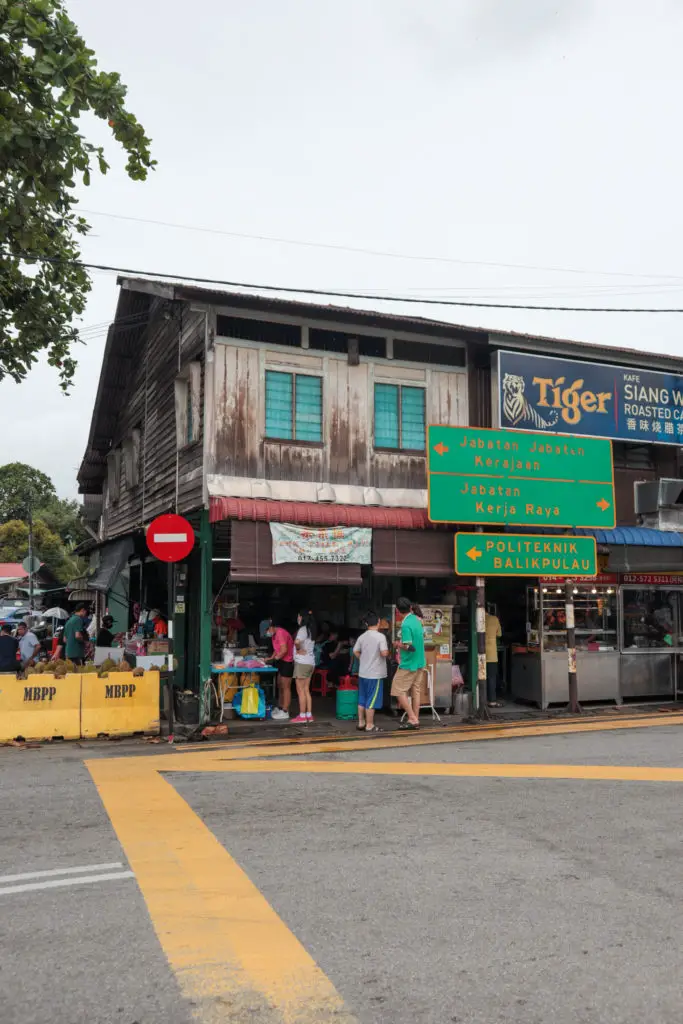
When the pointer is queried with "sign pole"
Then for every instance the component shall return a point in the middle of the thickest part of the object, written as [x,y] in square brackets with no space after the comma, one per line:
[30,558]
[482,709]
[574,707]
[170,685]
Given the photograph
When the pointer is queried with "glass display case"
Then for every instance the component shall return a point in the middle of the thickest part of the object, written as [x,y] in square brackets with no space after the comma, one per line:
[651,640]
[540,673]
[595,617]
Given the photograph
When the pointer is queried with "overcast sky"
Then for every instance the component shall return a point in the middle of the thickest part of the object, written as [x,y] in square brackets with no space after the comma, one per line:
[485,134]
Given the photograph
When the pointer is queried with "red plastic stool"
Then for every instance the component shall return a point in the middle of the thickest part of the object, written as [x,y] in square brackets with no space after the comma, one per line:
[319,682]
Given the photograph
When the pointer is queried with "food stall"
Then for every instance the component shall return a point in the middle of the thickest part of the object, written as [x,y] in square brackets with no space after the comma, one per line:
[629,639]
[651,634]
[539,668]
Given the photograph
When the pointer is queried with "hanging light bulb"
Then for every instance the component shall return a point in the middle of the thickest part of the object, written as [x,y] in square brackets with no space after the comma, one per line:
[594,590]
[545,590]
[576,590]
[559,590]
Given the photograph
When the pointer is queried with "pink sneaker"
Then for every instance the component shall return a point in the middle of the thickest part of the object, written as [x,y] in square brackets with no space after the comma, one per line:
[300,720]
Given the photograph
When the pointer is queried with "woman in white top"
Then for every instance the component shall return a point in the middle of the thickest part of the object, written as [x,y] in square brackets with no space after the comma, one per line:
[304,665]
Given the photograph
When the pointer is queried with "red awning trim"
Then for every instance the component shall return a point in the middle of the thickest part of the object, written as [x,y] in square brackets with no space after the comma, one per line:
[310,513]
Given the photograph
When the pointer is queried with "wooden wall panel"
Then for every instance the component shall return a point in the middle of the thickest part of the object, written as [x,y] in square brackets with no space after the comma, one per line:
[238,447]
[167,478]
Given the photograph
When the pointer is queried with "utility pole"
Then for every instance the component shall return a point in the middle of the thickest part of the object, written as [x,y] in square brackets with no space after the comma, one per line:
[30,561]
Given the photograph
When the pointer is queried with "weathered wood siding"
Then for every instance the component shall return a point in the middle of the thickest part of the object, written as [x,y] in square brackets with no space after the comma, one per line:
[168,479]
[238,448]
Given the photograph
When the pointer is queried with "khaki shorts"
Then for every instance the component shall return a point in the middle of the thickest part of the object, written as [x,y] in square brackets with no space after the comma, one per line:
[405,682]
[302,671]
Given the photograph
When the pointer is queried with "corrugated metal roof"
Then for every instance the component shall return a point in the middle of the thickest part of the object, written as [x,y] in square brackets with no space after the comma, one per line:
[636,536]
[310,513]
[12,571]
[497,337]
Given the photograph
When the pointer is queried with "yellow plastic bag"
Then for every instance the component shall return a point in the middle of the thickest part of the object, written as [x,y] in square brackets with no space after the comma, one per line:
[250,702]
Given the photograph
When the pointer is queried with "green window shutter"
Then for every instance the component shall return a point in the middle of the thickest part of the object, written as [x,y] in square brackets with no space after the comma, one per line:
[279,404]
[309,408]
[386,416]
[413,419]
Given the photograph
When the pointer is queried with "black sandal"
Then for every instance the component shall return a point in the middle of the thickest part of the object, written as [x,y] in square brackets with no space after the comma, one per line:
[408,725]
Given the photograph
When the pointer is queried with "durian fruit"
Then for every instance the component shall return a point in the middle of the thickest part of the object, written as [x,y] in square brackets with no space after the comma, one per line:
[124,666]
[137,672]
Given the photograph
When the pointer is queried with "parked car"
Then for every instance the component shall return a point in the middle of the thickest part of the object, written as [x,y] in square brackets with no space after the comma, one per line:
[14,617]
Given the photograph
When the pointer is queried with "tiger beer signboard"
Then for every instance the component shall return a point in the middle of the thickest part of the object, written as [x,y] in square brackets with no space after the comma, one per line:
[501,477]
[589,399]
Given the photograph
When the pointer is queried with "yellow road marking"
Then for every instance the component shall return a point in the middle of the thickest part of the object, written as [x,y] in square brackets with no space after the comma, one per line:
[616,773]
[278,748]
[233,956]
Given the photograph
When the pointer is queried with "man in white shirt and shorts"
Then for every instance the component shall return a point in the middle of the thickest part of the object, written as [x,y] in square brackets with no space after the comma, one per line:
[372,651]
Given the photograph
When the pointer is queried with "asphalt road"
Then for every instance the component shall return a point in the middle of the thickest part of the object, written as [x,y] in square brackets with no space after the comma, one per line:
[81,954]
[430,899]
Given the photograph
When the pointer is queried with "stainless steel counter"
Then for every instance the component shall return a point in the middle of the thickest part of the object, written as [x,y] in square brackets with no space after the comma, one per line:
[647,674]
[542,677]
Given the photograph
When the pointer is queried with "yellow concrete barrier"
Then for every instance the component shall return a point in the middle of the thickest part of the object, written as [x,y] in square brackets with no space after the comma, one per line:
[40,707]
[119,704]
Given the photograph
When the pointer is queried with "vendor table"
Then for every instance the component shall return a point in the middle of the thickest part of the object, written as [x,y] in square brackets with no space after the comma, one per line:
[225,685]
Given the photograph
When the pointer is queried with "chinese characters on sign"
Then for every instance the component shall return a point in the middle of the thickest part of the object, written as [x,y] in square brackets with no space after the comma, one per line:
[589,399]
[330,544]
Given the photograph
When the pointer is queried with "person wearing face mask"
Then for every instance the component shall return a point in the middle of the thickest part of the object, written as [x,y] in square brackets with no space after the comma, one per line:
[283,660]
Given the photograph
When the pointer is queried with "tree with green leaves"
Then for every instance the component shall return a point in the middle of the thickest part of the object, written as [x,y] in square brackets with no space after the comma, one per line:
[62,516]
[47,547]
[49,78]
[23,490]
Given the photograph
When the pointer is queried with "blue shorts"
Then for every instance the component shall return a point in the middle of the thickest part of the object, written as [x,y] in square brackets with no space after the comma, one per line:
[370,693]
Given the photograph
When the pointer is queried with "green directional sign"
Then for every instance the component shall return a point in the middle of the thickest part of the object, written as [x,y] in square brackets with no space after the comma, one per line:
[524,554]
[475,475]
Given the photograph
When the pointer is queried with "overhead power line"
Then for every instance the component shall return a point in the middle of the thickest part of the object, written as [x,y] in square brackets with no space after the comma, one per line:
[332,293]
[358,250]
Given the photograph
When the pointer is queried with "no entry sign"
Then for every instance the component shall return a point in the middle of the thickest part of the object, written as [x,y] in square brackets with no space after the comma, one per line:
[170,538]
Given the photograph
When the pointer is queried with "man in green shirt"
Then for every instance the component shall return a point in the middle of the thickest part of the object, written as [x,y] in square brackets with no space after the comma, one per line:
[74,636]
[406,684]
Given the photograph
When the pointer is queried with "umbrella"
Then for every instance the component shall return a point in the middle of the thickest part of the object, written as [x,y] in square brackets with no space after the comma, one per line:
[55,613]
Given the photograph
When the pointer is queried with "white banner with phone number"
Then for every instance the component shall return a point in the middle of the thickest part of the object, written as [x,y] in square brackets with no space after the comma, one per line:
[329,544]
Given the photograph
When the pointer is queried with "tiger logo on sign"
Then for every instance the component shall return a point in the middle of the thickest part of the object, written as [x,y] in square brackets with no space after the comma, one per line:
[516,408]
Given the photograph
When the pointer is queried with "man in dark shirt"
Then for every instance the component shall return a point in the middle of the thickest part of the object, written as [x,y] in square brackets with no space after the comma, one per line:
[8,651]
[75,636]
[105,637]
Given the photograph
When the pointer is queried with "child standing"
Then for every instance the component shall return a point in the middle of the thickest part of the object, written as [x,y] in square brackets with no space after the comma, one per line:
[372,651]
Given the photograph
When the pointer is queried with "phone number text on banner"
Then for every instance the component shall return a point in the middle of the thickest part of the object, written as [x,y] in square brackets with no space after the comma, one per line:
[329,544]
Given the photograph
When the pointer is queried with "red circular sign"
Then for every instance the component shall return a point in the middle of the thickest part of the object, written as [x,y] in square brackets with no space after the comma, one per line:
[170,538]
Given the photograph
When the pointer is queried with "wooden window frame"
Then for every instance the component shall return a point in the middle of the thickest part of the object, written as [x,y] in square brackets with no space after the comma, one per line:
[131,458]
[114,475]
[293,374]
[400,450]
[188,392]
